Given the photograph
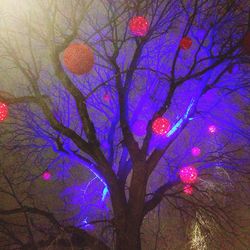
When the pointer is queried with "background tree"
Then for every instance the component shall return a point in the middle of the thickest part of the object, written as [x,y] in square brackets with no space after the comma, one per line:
[61,123]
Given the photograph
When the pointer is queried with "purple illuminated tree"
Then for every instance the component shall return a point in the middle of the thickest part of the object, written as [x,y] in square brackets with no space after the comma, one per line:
[161,118]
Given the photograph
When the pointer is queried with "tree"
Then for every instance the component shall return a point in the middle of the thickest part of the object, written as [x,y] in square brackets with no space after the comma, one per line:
[103,120]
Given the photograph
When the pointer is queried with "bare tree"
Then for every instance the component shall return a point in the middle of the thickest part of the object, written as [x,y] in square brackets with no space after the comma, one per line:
[102,120]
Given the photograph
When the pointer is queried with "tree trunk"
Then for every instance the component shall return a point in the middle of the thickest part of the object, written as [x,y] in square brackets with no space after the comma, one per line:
[128,238]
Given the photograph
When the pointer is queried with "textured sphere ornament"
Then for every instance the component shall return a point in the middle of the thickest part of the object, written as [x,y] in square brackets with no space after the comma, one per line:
[212,129]
[138,26]
[106,97]
[78,58]
[188,189]
[46,176]
[161,126]
[188,175]
[196,151]
[246,42]
[3,111]
[186,43]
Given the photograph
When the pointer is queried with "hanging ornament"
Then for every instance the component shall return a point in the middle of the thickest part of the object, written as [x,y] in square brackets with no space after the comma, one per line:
[246,42]
[186,43]
[212,129]
[106,97]
[78,58]
[138,26]
[46,175]
[3,111]
[188,189]
[196,151]
[161,126]
[139,128]
[188,175]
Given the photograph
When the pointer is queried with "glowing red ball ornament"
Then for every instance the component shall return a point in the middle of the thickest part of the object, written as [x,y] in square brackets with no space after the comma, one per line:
[196,151]
[188,189]
[106,97]
[212,129]
[186,43]
[246,42]
[78,58]
[161,126]
[46,175]
[138,26]
[4,111]
[188,175]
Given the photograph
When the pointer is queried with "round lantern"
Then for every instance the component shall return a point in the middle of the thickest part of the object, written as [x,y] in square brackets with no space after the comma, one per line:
[186,43]
[138,26]
[78,58]
[188,175]
[246,42]
[161,126]
[188,189]
[106,97]
[3,111]
[46,175]
[196,151]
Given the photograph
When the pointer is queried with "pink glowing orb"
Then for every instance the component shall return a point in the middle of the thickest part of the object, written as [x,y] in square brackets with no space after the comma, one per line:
[161,126]
[188,175]
[196,151]
[3,111]
[138,26]
[212,129]
[188,189]
[106,97]
[139,128]
[46,175]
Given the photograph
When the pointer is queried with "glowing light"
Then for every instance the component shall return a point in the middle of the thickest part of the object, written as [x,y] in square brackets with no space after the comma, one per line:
[161,126]
[46,175]
[104,193]
[186,43]
[196,151]
[138,26]
[106,97]
[78,58]
[246,42]
[3,111]
[139,128]
[212,129]
[188,175]
[188,189]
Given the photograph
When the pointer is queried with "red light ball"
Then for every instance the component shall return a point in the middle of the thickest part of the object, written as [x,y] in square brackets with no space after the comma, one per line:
[106,97]
[46,175]
[196,151]
[188,189]
[212,129]
[188,175]
[246,42]
[4,111]
[138,26]
[78,58]
[161,126]
[186,43]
